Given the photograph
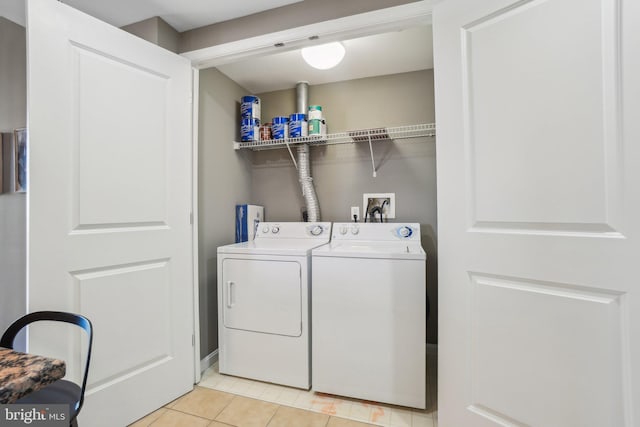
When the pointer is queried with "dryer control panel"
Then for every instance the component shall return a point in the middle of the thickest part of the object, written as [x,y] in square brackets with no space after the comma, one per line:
[293,230]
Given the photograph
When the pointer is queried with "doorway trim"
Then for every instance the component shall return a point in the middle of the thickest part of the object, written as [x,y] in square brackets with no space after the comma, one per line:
[195,89]
[360,25]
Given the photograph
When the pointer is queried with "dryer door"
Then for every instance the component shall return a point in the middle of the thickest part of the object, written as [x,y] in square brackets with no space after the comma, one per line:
[262,296]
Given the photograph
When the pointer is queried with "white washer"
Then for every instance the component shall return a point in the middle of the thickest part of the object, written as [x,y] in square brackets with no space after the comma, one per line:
[369,314]
[263,303]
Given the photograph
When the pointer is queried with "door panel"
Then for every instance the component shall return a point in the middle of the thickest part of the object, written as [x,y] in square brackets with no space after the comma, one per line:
[534,342]
[109,206]
[152,320]
[127,145]
[518,77]
[262,296]
[537,169]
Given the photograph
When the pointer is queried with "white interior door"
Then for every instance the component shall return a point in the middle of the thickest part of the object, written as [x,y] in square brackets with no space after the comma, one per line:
[109,198]
[538,205]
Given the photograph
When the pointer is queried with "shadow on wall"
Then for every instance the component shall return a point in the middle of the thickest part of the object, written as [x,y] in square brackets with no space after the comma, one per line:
[209,308]
[429,244]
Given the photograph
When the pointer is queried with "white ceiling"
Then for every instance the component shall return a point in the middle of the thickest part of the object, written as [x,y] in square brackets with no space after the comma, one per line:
[389,53]
[180,14]
[382,54]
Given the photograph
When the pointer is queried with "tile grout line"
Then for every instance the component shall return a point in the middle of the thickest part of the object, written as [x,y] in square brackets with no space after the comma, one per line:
[274,414]
[178,411]
[225,407]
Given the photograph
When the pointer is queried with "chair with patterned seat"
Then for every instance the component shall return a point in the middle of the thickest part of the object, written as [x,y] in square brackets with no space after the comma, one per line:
[62,391]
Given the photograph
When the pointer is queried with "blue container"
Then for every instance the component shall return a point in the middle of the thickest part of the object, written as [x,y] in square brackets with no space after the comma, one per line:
[298,125]
[250,107]
[247,219]
[250,130]
[280,128]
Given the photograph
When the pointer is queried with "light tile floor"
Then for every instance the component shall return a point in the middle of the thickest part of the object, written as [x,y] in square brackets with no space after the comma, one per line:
[223,401]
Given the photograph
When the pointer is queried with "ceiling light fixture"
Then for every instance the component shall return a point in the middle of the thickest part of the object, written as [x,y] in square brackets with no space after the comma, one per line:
[324,56]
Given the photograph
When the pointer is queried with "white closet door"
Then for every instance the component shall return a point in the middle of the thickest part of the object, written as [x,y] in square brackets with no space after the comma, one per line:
[538,212]
[109,199]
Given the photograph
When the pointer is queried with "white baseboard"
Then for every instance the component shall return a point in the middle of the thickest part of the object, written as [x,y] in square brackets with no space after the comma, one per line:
[208,361]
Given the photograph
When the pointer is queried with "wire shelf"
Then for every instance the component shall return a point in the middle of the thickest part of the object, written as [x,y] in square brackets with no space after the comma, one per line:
[363,135]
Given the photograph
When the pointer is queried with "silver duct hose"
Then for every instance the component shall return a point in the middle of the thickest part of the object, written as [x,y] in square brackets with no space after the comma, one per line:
[304,168]
[308,191]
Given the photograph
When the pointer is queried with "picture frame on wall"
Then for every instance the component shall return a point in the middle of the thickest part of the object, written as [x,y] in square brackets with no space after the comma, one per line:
[7,163]
[20,168]
[13,161]
[2,166]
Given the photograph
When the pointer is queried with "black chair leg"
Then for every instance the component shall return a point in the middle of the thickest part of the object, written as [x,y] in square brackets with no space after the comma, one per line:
[74,423]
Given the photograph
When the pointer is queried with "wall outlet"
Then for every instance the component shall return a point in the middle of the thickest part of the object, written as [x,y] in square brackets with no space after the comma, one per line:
[384,201]
[355,212]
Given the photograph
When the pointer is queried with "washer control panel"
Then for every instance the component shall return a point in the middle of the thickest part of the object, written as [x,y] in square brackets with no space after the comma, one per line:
[346,229]
[376,231]
[404,231]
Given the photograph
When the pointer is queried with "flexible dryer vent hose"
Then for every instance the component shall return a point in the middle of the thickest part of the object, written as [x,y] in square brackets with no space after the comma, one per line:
[304,168]
[308,191]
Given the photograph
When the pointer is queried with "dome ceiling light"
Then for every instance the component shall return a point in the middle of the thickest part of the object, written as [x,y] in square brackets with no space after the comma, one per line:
[324,56]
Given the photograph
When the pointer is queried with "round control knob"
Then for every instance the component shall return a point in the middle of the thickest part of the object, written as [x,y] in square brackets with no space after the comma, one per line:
[316,230]
[355,230]
[265,229]
[275,229]
[343,229]
[405,231]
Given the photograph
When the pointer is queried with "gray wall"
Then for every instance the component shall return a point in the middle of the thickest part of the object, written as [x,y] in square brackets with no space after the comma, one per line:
[342,173]
[224,181]
[13,114]
[13,75]
[157,31]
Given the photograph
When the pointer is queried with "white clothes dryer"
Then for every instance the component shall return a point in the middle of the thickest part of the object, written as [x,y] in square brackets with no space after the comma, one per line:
[263,303]
[369,314]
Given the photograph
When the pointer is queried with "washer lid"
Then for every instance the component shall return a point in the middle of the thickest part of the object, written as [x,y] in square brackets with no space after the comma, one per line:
[371,249]
[273,247]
